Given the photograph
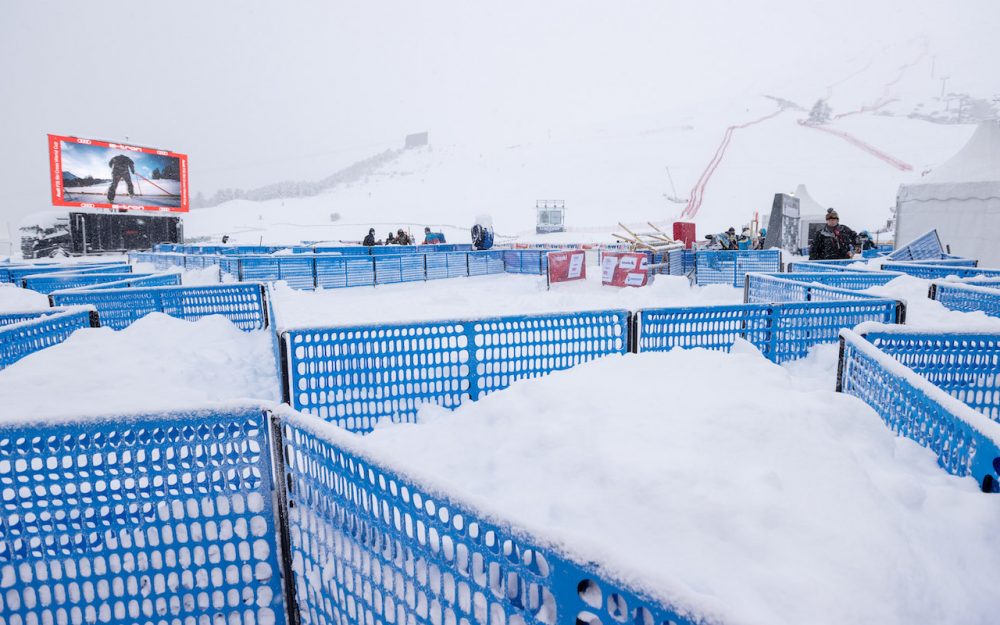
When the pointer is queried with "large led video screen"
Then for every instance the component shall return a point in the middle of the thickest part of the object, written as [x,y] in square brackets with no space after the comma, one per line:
[88,173]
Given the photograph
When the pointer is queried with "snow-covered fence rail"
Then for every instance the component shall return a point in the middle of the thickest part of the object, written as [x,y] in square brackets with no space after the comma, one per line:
[165,518]
[821,286]
[16,316]
[371,546]
[731,266]
[934,271]
[47,283]
[781,331]
[813,266]
[967,297]
[924,247]
[30,335]
[137,280]
[355,376]
[927,404]
[244,304]
[18,274]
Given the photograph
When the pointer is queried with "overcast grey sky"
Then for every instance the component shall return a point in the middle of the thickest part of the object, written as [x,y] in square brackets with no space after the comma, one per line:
[256,92]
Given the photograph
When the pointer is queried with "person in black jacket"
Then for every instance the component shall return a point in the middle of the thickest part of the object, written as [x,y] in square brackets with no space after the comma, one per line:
[370,239]
[833,240]
[120,166]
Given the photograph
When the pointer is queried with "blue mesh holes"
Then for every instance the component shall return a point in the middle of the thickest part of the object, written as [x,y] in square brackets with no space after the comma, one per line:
[370,547]
[913,407]
[933,271]
[27,336]
[731,266]
[782,331]
[156,518]
[806,287]
[967,298]
[243,303]
[923,247]
[356,376]
[966,366]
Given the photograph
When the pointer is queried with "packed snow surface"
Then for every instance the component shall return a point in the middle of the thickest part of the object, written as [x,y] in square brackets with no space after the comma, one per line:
[483,296]
[158,362]
[722,485]
[16,299]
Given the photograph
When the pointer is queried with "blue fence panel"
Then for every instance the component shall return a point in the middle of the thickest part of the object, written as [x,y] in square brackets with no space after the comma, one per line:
[819,287]
[17,340]
[967,297]
[933,271]
[48,283]
[356,376]
[782,332]
[297,271]
[242,303]
[260,268]
[814,266]
[388,270]
[18,274]
[411,267]
[11,317]
[139,519]
[367,544]
[229,265]
[966,366]
[392,250]
[923,247]
[437,266]
[731,266]
[458,264]
[494,261]
[345,250]
[478,265]
[525,261]
[360,271]
[331,271]
[965,441]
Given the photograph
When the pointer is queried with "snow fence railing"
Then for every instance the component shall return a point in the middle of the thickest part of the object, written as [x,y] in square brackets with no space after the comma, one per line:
[781,331]
[28,335]
[927,245]
[244,304]
[823,286]
[17,274]
[967,297]
[48,283]
[135,280]
[357,376]
[251,513]
[731,266]
[966,442]
[932,271]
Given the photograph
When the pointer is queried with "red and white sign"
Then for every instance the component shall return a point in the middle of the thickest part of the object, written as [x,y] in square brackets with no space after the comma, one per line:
[625,269]
[88,173]
[567,266]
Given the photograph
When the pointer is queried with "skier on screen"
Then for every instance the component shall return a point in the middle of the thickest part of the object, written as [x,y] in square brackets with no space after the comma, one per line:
[120,166]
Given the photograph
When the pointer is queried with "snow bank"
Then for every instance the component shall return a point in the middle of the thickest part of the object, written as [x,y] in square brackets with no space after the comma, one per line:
[157,363]
[482,296]
[718,485]
[16,299]
[923,312]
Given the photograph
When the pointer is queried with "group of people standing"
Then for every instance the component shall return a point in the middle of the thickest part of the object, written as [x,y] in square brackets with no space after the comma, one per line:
[832,241]
[401,237]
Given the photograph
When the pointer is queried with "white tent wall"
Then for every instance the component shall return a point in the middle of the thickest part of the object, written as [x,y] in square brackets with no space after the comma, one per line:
[969,227]
[960,198]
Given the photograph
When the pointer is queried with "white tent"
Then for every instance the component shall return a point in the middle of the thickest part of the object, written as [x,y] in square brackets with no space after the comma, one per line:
[961,199]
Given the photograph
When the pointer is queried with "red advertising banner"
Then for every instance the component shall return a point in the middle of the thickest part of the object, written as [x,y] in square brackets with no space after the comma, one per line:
[625,269]
[87,173]
[567,266]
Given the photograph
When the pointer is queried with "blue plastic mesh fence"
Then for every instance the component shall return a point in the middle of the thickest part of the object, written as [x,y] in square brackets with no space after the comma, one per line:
[913,407]
[966,366]
[731,266]
[952,261]
[17,340]
[297,271]
[798,287]
[815,266]
[18,274]
[11,317]
[932,271]
[676,260]
[525,261]
[967,298]
[48,283]
[155,519]
[241,303]
[357,376]
[923,247]
[371,547]
[139,280]
[782,332]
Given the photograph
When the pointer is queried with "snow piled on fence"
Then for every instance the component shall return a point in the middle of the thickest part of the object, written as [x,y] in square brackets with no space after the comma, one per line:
[721,484]
[15,299]
[156,363]
[926,313]
[482,296]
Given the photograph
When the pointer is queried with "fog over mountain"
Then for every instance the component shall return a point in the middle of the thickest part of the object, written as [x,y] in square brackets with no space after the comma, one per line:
[258,93]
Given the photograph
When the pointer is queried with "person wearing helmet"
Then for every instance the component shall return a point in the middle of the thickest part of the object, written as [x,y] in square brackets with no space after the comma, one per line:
[370,239]
[833,241]
[402,238]
[865,241]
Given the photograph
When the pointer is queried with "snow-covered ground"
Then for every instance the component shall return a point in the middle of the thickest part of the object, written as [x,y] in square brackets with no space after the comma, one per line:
[732,487]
